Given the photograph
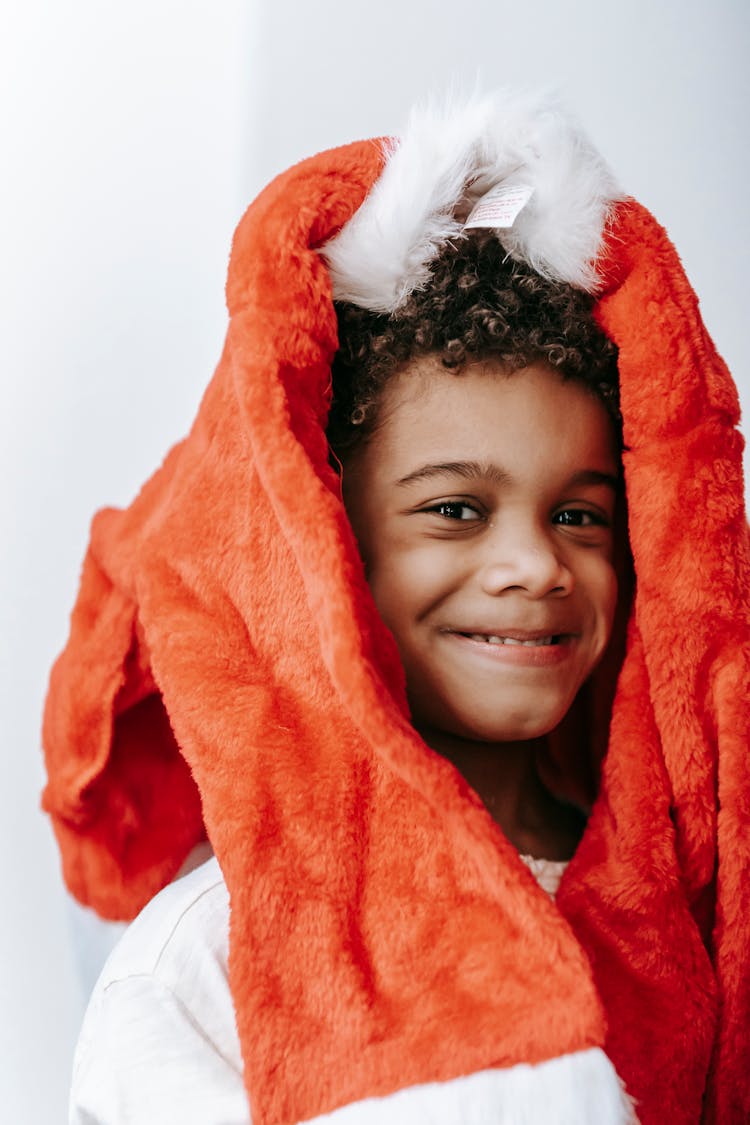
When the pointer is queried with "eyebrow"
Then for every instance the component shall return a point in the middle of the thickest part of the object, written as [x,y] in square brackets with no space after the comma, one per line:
[467,470]
[487,470]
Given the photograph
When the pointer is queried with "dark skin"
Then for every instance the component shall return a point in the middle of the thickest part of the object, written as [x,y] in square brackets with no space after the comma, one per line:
[505,777]
[480,519]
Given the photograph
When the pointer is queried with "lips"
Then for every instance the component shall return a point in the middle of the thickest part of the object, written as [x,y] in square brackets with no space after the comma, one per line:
[517,648]
[492,639]
[528,638]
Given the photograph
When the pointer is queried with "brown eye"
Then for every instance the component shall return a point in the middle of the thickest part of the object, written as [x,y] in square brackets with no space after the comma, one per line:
[455,510]
[580,517]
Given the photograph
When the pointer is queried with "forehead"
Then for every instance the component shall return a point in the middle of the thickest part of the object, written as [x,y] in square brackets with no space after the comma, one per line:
[530,421]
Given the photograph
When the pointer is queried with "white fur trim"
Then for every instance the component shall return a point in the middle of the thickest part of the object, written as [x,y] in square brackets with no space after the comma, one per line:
[448,158]
[577,1089]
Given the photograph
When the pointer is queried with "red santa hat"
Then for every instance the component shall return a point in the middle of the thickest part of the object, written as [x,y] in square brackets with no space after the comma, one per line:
[227,674]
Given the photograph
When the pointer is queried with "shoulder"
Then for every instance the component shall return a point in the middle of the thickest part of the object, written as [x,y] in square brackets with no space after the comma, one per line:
[190,917]
[159,1034]
[180,941]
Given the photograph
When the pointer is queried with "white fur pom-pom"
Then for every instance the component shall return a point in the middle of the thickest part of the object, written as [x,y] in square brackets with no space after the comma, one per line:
[447,159]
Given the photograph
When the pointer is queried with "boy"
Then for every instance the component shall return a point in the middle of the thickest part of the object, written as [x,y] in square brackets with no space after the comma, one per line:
[389,952]
[479,519]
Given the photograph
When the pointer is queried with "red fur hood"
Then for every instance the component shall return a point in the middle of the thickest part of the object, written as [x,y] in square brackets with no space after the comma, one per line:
[227,674]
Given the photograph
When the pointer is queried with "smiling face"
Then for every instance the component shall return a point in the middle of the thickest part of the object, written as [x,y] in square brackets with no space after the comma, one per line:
[483,506]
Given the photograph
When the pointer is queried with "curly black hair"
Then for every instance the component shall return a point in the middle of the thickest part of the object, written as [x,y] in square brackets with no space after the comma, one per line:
[478,304]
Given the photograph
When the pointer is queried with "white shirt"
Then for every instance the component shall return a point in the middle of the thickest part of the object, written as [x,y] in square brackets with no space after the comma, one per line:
[159,1043]
[162,1008]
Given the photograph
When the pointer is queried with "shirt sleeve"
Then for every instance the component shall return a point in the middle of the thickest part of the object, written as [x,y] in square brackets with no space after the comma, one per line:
[143,1057]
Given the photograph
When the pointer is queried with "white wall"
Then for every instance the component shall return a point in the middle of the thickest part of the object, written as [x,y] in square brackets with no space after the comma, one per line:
[662,86]
[123,137]
[133,135]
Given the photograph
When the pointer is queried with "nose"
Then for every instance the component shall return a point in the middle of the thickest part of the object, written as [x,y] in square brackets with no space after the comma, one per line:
[527,560]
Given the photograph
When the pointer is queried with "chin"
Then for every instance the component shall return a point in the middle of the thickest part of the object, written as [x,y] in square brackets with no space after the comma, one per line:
[488,713]
[518,732]
[515,728]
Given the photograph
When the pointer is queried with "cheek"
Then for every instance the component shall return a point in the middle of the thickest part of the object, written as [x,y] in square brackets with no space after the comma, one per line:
[406,583]
[604,590]
[395,586]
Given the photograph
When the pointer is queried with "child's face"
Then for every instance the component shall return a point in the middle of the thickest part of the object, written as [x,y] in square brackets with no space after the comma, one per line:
[483,506]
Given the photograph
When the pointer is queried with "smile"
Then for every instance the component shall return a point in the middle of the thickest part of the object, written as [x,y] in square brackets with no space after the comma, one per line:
[536,642]
[519,648]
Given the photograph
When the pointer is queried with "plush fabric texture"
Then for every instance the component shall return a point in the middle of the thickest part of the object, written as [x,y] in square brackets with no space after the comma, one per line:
[449,156]
[227,674]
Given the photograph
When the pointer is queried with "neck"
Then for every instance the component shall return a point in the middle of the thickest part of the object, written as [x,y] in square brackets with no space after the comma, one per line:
[504,775]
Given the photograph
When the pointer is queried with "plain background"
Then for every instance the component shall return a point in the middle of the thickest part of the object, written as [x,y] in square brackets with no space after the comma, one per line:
[133,136]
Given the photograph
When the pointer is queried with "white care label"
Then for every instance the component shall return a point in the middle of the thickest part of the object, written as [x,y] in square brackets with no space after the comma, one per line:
[500,207]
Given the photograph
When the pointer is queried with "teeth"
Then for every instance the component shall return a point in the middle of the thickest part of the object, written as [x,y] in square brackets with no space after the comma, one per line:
[511,640]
